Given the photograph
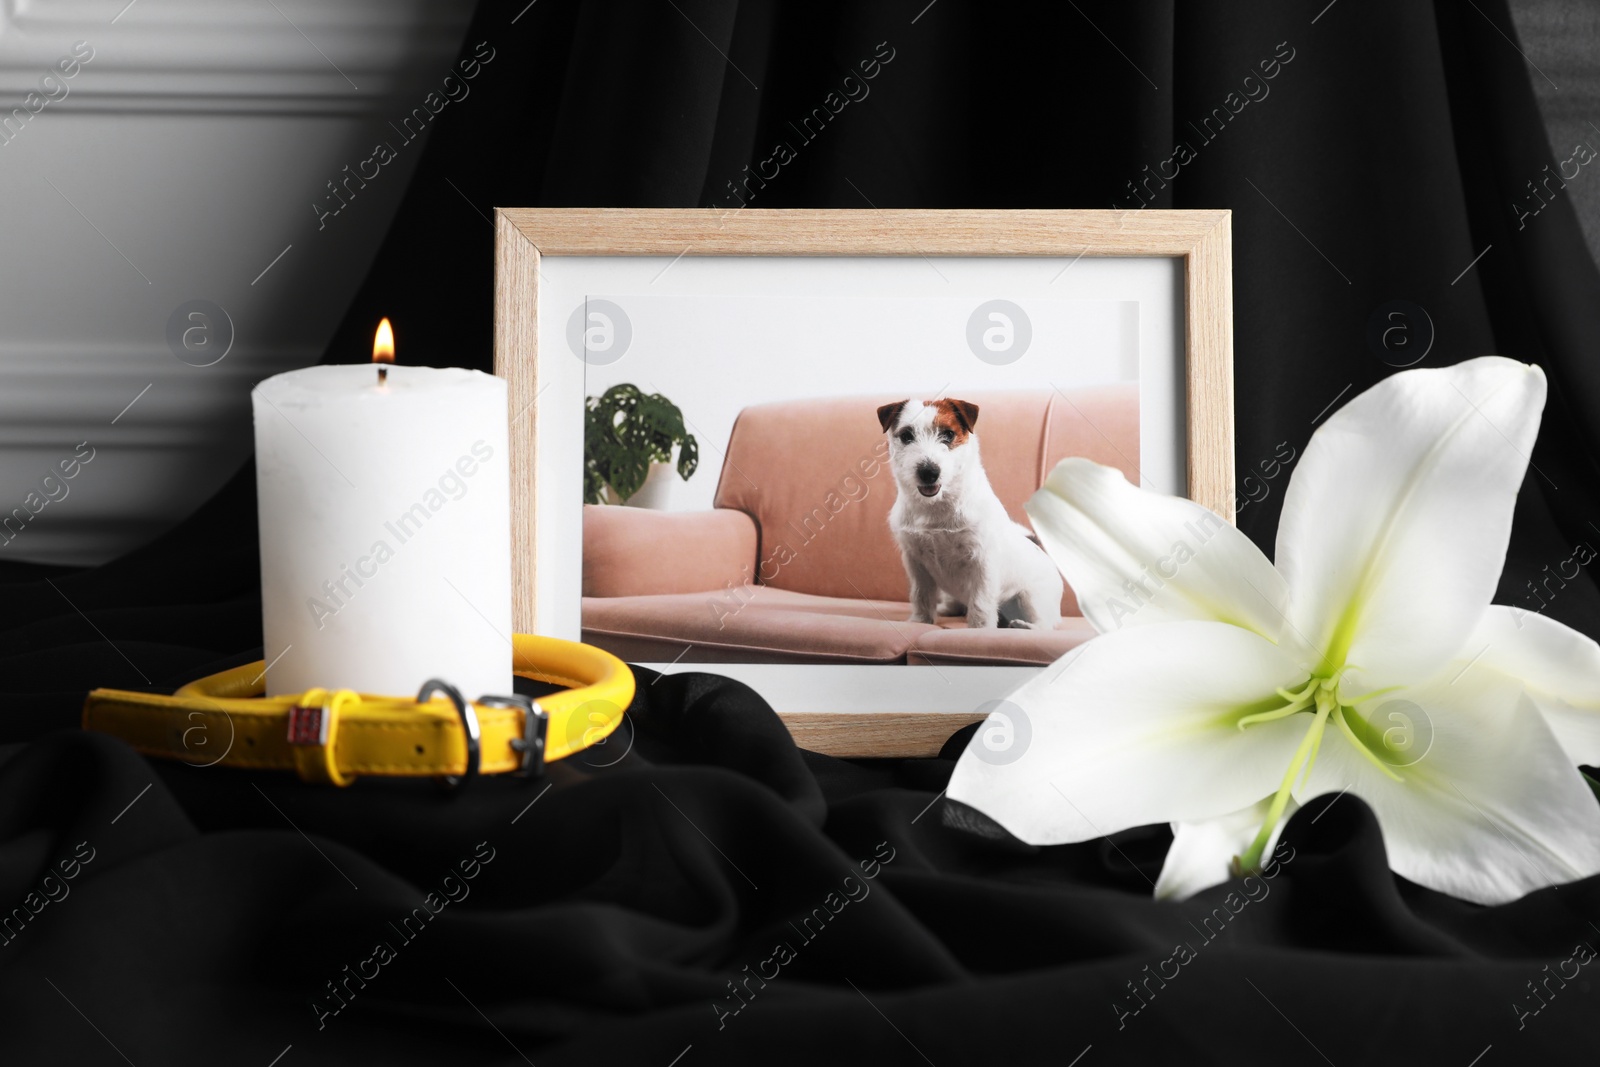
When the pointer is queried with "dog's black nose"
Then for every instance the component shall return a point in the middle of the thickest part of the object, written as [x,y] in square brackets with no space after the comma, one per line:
[927,473]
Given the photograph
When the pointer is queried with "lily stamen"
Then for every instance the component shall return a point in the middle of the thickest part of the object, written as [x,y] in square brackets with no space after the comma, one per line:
[1251,859]
[1375,693]
[1327,703]
[1277,713]
[1292,695]
[1360,746]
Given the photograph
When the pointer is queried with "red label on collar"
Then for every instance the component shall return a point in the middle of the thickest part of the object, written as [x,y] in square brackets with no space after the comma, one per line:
[308,726]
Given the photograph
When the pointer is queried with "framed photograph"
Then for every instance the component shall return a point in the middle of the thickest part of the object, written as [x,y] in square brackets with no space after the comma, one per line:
[772,444]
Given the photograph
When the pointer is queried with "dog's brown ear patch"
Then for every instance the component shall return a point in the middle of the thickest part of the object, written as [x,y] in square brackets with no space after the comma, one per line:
[889,414]
[957,416]
[967,410]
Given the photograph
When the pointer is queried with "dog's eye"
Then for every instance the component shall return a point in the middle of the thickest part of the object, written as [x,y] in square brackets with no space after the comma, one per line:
[945,437]
[906,437]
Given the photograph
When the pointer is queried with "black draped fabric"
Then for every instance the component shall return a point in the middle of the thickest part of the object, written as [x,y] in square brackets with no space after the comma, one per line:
[699,890]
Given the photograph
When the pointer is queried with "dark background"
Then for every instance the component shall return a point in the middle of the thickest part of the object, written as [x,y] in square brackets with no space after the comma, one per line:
[1383,166]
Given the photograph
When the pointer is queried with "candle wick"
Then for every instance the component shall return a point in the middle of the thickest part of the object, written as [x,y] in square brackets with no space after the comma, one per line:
[383,374]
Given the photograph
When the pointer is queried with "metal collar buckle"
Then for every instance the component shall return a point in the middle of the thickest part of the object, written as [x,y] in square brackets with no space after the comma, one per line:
[535,727]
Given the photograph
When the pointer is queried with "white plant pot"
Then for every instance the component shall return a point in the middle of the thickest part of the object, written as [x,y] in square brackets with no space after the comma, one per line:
[181,163]
[654,493]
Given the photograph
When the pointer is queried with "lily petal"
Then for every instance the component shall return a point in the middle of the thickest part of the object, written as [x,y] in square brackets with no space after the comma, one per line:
[1557,666]
[1490,810]
[1202,852]
[1396,519]
[1136,727]
[1135,556]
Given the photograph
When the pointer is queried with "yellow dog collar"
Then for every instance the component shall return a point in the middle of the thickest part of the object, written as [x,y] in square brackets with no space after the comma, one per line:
[338,735]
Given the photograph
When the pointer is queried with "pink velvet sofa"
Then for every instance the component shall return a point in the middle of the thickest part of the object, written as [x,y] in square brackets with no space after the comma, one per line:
[795,563]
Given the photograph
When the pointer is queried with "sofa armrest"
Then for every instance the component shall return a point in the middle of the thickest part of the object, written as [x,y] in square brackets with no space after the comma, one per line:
[641,552]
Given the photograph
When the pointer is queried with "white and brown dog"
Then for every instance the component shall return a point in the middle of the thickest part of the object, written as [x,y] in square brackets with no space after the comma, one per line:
[954,534]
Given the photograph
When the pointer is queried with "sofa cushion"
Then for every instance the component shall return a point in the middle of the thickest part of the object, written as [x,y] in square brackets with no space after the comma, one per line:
[953,645]
[750,624]
[760,624]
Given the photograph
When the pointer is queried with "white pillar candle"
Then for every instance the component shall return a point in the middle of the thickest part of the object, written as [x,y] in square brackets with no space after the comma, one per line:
[385,529]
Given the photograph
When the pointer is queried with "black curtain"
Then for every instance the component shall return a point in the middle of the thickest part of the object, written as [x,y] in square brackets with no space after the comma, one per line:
[1382,213]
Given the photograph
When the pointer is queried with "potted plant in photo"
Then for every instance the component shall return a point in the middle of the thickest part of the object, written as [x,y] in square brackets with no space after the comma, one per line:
[628,438]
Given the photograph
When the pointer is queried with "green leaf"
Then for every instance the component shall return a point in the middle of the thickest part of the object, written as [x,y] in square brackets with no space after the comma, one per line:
[628,473]
[688,457]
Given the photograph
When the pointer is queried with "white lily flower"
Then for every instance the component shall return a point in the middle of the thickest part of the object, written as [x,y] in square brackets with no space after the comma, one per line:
[1224,689]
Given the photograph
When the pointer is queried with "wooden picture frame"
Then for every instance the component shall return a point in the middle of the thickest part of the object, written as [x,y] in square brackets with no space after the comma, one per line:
[528,240]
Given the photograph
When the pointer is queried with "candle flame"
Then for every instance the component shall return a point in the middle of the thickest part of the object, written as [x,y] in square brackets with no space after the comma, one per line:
[383,343]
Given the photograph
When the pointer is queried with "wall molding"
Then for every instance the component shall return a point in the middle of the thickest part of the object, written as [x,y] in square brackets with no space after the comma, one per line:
[199,56]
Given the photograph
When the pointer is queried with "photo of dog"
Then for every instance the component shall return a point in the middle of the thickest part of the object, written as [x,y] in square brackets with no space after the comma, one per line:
[961,549]
[808,516]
